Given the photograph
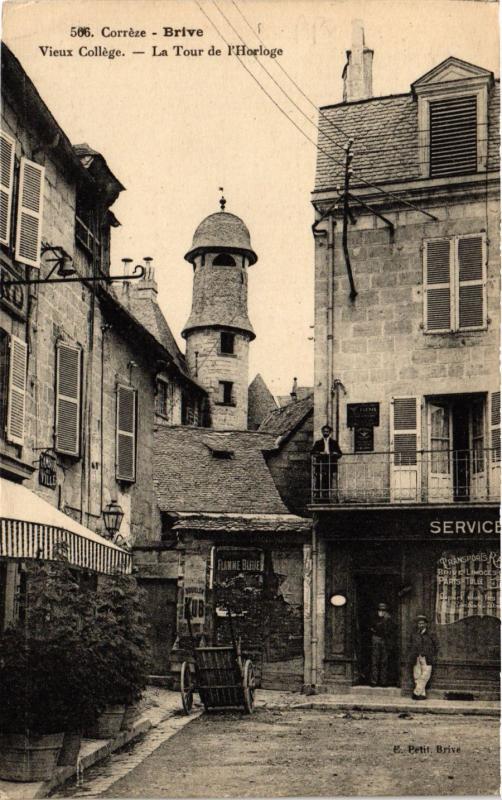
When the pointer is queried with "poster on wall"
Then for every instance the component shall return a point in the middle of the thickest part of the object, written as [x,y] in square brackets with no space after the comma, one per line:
[467,585]
[194,589]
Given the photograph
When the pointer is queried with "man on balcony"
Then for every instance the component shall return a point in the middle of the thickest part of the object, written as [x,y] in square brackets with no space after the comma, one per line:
[325,455]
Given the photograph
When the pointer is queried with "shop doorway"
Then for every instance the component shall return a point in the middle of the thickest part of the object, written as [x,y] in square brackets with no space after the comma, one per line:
[370,590]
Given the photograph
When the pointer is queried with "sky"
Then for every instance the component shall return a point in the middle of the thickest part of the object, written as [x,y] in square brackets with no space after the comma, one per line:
[174,129]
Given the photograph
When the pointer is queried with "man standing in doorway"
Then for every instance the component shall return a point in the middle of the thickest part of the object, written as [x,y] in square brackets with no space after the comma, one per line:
[382,634]
[326,453]
[423,652]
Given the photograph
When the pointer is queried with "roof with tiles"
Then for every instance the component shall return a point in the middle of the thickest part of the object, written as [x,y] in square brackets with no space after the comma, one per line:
[222,229]
[260,402]
[148,312]
[385,134]
[285,420]
[201,472]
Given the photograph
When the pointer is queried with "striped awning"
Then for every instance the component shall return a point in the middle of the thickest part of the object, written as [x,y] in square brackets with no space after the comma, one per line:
[30,527]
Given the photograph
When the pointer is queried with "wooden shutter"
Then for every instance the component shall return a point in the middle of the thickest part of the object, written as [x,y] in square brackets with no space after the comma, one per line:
[453,136]
[494,443]
[7,154]
[16,390]
[126,434]
[29,213]
[404,445]
[68,398]
[438,285]
[471,282]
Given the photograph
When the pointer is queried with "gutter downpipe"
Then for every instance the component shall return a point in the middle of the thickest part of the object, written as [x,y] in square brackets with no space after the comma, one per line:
[330,257]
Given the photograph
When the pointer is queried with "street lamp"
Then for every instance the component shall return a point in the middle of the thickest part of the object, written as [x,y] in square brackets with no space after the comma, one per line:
[113,516]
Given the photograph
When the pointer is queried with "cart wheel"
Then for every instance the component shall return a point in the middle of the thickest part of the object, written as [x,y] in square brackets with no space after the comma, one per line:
[186,687]
[248,684]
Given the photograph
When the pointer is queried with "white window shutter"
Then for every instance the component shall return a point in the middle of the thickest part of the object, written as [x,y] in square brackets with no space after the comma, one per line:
[7,156]
[438,286]
[68,398]
[405,443]
[471,282]
[16,390]
[494,444]
[126,434]
[29,213]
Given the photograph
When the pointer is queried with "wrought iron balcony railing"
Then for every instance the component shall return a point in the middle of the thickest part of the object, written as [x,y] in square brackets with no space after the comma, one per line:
[425,476]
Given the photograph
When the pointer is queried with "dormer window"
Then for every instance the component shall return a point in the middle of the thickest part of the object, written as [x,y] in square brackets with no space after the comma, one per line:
[452,118]
[453,136]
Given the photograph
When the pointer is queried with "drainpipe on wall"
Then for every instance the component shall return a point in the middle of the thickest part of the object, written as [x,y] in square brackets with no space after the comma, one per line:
[313,610]
[330,319]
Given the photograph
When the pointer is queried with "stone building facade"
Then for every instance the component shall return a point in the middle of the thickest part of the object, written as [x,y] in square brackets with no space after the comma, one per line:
[407,373]
[78,368]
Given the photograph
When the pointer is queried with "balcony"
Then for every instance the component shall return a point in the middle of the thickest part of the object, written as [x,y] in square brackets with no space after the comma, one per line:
[392,478]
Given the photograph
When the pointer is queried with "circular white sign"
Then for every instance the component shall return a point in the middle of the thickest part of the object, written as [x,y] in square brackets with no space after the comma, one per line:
[338,600]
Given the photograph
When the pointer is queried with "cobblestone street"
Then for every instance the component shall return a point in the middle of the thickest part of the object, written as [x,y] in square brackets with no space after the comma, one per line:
[305,753]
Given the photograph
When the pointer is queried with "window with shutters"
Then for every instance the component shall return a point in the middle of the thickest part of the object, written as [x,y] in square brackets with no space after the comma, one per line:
[17,355]
[29,213]
[455,284]
[495,426]
[125,461]
[453,136]
[68,399]
[7,156]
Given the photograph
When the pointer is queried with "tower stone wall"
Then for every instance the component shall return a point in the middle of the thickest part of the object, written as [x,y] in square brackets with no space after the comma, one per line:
[221,254]
[209,366]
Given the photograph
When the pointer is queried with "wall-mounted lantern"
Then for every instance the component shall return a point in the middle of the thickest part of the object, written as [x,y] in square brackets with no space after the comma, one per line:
[113,515]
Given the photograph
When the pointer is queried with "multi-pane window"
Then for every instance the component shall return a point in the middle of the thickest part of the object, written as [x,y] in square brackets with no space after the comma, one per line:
[226,393]
[455,284]
[440,439]
[453,136]
[164,399]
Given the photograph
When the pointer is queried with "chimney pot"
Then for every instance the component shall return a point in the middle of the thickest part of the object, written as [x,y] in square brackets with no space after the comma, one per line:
[358,71]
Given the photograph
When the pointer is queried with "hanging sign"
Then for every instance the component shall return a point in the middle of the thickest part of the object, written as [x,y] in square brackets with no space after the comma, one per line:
[467,586]
[47,473]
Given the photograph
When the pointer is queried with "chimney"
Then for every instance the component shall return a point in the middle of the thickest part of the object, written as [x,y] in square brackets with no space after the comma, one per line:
[294,391]
[358,71]
[147,285]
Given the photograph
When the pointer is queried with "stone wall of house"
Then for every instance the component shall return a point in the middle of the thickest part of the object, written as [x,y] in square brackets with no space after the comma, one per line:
[272,628]
[380,349]
[73,314]
[290,467]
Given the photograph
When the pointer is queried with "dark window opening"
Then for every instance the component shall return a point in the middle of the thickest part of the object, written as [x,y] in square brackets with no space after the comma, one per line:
[222,454]
[224,260]
[225,397]
[227,341]
[453,136]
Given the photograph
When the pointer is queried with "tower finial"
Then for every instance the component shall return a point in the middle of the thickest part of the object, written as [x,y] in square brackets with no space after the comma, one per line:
[223,202]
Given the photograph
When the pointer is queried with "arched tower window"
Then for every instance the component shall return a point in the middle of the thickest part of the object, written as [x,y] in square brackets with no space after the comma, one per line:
[224,260]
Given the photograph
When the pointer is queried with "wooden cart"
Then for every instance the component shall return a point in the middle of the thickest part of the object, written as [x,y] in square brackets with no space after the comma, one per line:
[219,674]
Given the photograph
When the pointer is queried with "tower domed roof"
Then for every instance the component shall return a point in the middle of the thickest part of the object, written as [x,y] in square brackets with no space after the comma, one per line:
[222,231]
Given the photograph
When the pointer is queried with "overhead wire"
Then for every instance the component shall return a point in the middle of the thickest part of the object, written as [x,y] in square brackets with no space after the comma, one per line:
[279,107]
